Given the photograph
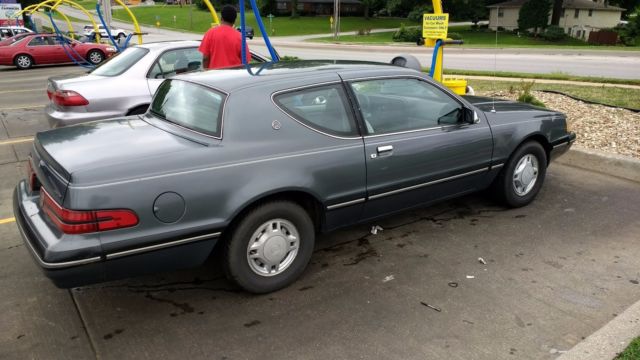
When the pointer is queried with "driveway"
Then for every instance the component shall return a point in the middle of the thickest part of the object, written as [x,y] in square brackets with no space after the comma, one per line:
[555,272]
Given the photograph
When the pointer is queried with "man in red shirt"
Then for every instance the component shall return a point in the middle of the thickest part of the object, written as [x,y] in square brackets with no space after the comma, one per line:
[221,45]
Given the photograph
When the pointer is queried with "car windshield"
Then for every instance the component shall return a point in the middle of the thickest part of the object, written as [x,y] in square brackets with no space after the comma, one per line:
[189,105]
[121,63]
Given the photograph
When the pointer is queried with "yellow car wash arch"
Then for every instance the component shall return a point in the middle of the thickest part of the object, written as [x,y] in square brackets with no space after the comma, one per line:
[66,19]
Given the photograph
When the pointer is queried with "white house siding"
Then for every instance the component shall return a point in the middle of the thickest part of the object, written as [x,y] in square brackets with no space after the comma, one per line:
[584,24]
[509,20]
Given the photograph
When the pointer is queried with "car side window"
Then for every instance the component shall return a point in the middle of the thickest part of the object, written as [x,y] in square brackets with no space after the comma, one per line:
[404,104]
[323,108]
[39,41]
[175,62]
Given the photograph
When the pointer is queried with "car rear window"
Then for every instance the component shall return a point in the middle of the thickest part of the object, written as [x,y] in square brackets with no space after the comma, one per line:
[189,105]
[121,62]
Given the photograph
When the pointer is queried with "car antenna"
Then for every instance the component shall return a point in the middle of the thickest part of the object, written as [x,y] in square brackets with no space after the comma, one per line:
[495,63]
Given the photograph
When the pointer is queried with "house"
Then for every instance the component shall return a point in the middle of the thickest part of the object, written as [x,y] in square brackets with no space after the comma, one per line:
[578,17]
[320,7]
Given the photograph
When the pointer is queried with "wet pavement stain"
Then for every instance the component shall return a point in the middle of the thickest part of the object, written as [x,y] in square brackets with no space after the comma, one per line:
[252,323]
[20,336]
[114,333]
[634,281]
[185,308]
[305,288]
[369,251]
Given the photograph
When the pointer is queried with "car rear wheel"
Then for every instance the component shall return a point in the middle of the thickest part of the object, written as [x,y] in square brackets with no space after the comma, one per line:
[522,176]
[95,57]
[270,247]
[23,61]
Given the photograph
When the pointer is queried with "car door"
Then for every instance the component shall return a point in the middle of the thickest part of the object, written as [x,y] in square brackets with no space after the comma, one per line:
[173,62]
[58,53]
[40,49]
[418,149]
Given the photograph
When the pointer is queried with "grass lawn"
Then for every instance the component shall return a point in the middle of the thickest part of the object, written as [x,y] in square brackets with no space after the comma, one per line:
[632,352]
[604,95]
[550,76]
[200,21]
[479,39]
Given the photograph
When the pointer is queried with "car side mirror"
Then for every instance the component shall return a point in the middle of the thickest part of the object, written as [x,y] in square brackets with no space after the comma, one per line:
[471,116]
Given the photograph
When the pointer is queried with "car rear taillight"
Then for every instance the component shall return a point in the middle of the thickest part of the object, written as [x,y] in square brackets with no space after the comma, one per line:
[85,221]
[67,98]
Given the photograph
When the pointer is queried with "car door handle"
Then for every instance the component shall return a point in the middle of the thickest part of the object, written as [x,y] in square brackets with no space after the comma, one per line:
[385,149]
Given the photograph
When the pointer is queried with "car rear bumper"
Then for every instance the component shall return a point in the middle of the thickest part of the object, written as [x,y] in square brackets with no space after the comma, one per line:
[57,118]
[562,145]
[73,260]
[65,265]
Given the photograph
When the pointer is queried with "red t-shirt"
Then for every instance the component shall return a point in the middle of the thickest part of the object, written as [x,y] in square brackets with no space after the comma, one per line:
[222,45]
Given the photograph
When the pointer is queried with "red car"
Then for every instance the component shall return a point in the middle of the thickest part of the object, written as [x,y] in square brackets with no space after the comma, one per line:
[39,49]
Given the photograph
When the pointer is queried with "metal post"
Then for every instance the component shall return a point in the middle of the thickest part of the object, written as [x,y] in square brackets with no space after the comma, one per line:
[106,6]
[336,19]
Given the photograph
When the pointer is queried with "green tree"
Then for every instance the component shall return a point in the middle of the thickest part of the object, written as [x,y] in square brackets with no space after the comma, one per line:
[628,5]
[534,14]
[267,7]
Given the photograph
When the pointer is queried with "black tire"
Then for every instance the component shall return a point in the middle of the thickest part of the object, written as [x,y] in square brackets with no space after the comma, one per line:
[95,57]
[23,61]
[237,264]
[138,110]
[504,186]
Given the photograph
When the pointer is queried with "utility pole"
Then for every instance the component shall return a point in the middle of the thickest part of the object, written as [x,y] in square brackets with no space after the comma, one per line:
[106,11]
[336,19]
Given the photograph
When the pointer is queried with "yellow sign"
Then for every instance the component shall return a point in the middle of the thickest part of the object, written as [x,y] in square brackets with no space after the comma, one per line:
[435,26]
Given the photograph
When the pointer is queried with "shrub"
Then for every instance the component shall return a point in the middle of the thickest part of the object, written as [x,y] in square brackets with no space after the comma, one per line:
[364,31]
[553,33]
[500,28]
[412,34]
[202,5]
[526,96]
[454,36]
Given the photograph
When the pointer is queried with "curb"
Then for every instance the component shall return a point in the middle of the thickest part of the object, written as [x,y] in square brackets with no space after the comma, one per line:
[620,166]
[610,340]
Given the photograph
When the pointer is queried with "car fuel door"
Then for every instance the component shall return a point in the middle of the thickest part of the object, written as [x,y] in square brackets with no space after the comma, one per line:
[420,146]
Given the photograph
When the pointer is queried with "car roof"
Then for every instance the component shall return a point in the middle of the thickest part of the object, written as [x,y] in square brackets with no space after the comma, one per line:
[164,45]
[233,79]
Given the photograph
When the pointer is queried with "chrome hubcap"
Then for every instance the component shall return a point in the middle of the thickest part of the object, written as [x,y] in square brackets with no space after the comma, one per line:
[525,174]
[23,61]
[273,247]
[95,57]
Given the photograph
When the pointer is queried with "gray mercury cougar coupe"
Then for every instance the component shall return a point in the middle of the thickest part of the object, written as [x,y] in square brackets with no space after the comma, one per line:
[261,159]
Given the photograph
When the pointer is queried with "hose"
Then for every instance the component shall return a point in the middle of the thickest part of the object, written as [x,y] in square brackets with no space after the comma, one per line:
[106,28]
[63,41]
[434,58]
[265,35]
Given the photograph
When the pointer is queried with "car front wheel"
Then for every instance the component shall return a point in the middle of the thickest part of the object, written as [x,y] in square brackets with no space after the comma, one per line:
[522,176]
[270,247]
[95,57]
[23,62]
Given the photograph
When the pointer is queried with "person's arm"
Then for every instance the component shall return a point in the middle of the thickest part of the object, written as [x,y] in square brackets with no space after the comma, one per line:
[204,49]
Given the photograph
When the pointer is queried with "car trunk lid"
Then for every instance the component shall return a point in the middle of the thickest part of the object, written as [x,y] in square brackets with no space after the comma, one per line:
[111,150]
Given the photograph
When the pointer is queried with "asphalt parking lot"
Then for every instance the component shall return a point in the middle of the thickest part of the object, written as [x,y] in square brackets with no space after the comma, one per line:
[555,272]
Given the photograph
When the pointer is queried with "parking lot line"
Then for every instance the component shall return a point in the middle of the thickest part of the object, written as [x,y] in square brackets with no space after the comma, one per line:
[16,141]
[7,220]
[28,106]
[19,91]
